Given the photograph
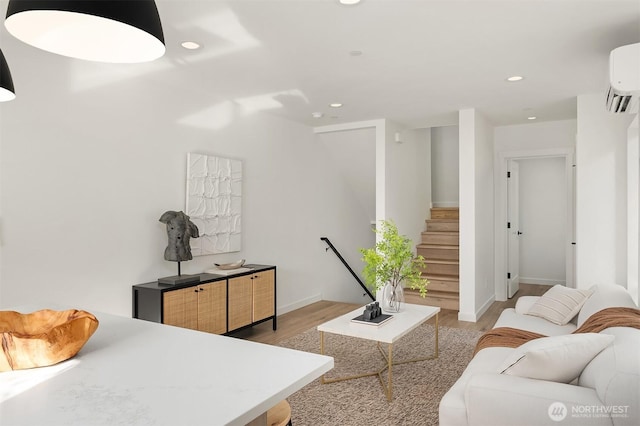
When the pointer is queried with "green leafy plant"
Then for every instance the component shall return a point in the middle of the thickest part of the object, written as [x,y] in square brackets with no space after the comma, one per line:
[392,261]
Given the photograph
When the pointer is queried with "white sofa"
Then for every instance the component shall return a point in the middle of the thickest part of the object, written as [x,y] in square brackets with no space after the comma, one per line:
[607,392]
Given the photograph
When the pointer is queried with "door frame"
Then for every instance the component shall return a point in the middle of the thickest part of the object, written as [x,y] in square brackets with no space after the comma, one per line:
[500,224]
[513,173]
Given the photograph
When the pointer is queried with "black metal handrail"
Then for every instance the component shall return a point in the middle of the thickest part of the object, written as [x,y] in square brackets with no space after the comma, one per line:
[346,265]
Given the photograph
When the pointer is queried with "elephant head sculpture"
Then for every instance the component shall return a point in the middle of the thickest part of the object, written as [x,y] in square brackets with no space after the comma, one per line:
[179,231]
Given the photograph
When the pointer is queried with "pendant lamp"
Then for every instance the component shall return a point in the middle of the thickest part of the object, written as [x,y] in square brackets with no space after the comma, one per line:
[120,31]
[7,93]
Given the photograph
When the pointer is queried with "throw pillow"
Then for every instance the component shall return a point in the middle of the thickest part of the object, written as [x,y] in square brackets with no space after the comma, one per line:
[560,304]
[557,358]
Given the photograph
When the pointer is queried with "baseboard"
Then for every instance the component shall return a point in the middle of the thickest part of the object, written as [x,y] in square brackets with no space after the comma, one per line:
[473,317]
[468,317]
[543,281]
[485,307]
[299,304]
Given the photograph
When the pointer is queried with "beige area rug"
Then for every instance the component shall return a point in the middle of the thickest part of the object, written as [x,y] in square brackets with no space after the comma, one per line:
[417,387]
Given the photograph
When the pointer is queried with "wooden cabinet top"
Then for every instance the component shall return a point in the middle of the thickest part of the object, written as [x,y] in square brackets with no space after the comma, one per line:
[204,278]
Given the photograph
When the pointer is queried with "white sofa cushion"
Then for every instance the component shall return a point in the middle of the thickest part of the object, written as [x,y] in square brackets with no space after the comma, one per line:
[559,304]
[501,400]
[605,296]
[615,374]
[452,409]
[558,358]
[510,318]
[524,303]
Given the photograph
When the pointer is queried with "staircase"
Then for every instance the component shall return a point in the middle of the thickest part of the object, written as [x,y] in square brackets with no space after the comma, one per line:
[441,251]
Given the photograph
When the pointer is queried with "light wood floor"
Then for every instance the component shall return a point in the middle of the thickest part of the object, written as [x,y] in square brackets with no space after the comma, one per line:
[300,320]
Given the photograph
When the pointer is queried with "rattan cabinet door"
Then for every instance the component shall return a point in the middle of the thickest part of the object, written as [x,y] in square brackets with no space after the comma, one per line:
[181,308]
[212,307]
[240,295]
[264,295]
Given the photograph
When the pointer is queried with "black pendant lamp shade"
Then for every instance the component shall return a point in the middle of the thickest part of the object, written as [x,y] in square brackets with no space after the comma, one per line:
[7,92]
[117,31]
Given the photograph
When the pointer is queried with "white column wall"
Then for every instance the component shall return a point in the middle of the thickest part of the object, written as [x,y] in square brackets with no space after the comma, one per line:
[467,167]
[633,207]
[484,243]
[476,215]
[601,198]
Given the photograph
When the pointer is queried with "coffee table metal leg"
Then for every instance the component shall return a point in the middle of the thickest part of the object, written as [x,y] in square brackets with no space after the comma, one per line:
[437,352]
[388,387]
[322,352]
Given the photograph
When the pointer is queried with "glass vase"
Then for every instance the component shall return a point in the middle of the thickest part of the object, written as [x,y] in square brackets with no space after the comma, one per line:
[392,298]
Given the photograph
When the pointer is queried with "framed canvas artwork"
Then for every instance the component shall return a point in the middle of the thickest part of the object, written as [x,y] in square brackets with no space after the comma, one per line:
[214,203]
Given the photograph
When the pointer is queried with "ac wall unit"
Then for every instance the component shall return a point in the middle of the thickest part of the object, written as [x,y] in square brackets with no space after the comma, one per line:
[624,79]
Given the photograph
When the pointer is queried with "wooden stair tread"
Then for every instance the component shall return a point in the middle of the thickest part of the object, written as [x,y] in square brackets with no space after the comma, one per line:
[442,294]
[439,246]
[441,277]
[442,261]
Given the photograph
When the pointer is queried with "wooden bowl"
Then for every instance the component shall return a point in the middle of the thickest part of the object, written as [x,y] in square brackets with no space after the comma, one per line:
[229,266]
[43,337]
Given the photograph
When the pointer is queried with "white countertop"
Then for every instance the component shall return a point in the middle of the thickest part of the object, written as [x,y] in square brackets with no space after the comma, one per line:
[409,317]
[135,372]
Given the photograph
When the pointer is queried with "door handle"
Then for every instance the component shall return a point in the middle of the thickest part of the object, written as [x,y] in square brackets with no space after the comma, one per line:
[519,233]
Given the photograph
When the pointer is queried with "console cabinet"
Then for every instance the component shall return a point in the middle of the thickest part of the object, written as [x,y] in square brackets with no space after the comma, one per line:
[218,304]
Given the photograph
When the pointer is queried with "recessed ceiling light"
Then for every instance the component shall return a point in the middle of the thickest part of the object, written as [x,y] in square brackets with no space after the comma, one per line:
[317,114]
[190,45]
[349,2]
[515,78]
[335,105]
[532,117]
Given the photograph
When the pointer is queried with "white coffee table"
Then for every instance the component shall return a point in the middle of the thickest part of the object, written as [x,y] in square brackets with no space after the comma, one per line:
[410,317]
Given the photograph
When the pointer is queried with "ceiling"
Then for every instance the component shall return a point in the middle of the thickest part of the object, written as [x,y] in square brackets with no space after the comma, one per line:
[421,60]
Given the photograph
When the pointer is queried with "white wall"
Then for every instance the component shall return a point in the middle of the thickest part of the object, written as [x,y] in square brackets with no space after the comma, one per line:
[601,199]
[485,283]
[476,215]
[531,140]
[407,187]
[444,166]
[87,170]
[353,156]
[536,136]
[543,206]
[633,207]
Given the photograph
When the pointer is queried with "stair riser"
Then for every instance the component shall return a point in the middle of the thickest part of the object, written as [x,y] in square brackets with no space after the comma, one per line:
[444,214]
[444,239]
[445,286]
[443,226]
[438,253]
[433,300]
[443,303]
[441,269]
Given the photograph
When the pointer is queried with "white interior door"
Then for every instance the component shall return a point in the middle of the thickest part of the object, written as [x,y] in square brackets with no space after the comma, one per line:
[513,229]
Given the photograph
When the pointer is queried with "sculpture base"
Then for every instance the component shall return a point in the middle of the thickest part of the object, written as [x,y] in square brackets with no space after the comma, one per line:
[179,279]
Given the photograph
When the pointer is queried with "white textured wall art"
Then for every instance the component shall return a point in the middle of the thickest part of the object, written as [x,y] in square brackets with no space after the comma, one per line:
[214,203]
